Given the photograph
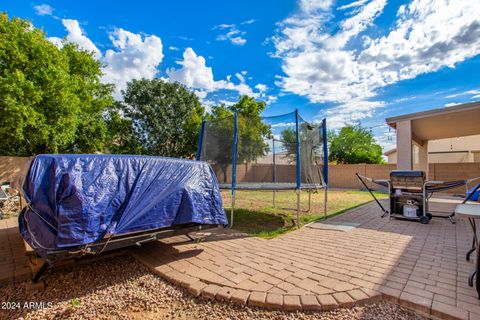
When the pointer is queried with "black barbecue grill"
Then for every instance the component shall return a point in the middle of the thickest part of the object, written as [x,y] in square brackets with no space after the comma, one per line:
[409,194]
[407,198]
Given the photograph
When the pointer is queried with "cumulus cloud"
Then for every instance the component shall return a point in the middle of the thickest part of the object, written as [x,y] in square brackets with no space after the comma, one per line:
[320,64]
[43,10]
[232,34]
[134,56]
[76,35]
[195,74]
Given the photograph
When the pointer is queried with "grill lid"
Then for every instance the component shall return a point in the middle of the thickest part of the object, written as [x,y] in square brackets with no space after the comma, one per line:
[407,173]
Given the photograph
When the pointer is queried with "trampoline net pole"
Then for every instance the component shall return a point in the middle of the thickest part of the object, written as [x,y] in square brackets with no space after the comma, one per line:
[299,181]
[274,168]
[234,164]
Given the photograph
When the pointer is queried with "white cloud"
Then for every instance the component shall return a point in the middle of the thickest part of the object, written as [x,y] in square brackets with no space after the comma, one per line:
[195,74]
[320,64]
[76,35]
[233,35]
[134,57]
[451,104]
[173,48]
[261,87]
[352,5]
[240,77]
[43,10]
[250,21]
[465,93]
[56,41]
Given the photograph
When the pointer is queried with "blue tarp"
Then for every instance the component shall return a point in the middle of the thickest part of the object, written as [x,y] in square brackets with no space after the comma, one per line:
[476,195]
[77,199]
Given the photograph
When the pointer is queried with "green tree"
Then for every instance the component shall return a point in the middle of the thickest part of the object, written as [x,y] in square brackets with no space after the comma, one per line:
[354,144]
[252,133]
[51,99]
[121,135]
[164,116]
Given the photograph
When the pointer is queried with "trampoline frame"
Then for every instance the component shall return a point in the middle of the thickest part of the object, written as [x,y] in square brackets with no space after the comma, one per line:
[274,186]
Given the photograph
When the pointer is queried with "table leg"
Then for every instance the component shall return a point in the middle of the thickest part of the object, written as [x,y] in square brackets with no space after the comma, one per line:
[475,245]
[474,240]
[477,277]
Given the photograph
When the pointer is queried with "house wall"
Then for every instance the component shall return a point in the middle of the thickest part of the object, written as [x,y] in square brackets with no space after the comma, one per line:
[451,150]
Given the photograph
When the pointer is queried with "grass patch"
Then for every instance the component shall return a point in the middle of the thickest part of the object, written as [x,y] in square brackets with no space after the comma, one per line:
[256,215]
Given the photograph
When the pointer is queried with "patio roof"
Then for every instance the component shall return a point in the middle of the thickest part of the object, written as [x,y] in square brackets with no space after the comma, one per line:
[447,122]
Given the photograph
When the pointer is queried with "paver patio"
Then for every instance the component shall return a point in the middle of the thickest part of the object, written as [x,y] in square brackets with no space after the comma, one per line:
[14,264]
[419,266]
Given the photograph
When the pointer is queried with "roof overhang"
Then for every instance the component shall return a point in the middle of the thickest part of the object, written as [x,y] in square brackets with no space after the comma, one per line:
[448,122]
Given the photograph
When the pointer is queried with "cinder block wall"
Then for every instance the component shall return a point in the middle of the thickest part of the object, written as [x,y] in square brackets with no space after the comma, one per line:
[13,169]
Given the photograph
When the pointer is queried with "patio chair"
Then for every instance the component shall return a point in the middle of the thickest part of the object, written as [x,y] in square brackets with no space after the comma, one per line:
[7,194]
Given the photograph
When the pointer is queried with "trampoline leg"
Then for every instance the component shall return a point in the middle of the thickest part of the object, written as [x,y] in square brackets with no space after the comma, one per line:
[232,210]
[309,200]
[274,193]
[298,208]
[40,272]
[325,204]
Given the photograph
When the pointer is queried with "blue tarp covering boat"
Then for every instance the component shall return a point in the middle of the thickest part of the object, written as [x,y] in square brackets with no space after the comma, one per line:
[76,200]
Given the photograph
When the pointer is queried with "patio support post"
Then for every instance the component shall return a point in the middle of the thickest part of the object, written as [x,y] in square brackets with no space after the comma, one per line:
[404,145]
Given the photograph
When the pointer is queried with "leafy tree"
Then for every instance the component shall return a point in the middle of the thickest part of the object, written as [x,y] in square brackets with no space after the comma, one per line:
[51,99]
[121,136]
[252,133]
[354,144]
[165,119]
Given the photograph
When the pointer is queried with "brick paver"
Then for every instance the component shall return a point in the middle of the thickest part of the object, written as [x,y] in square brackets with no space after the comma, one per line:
[14,265]
[419,266]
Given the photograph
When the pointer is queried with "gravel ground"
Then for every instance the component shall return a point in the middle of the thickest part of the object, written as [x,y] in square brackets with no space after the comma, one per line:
[121,288]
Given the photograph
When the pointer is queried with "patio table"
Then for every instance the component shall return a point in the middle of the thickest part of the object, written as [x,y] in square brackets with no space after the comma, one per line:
[472,212]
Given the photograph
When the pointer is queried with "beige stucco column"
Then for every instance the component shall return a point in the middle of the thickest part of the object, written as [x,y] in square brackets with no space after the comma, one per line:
[420,156]
[404,145]
[422,161]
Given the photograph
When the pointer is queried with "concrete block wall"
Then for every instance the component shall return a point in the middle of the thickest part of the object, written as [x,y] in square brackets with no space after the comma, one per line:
[13,169]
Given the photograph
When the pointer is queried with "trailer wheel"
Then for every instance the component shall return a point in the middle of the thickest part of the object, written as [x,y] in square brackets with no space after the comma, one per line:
[429,216]
[424,219]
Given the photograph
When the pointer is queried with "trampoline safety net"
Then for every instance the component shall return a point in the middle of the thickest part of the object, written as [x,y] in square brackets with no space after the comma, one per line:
[282,152]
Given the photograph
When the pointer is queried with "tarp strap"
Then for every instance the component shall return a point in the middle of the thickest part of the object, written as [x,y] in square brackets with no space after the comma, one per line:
[38,214]
[32,235]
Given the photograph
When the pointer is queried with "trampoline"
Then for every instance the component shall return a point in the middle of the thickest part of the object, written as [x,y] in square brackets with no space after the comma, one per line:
[275,153]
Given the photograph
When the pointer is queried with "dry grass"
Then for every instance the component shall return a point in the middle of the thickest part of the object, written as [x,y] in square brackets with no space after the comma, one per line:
[256,215]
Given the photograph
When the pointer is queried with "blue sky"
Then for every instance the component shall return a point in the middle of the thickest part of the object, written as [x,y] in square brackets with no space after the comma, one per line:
[356,60]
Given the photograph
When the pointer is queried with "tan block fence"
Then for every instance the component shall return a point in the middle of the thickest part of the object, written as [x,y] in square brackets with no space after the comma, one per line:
[13,169]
